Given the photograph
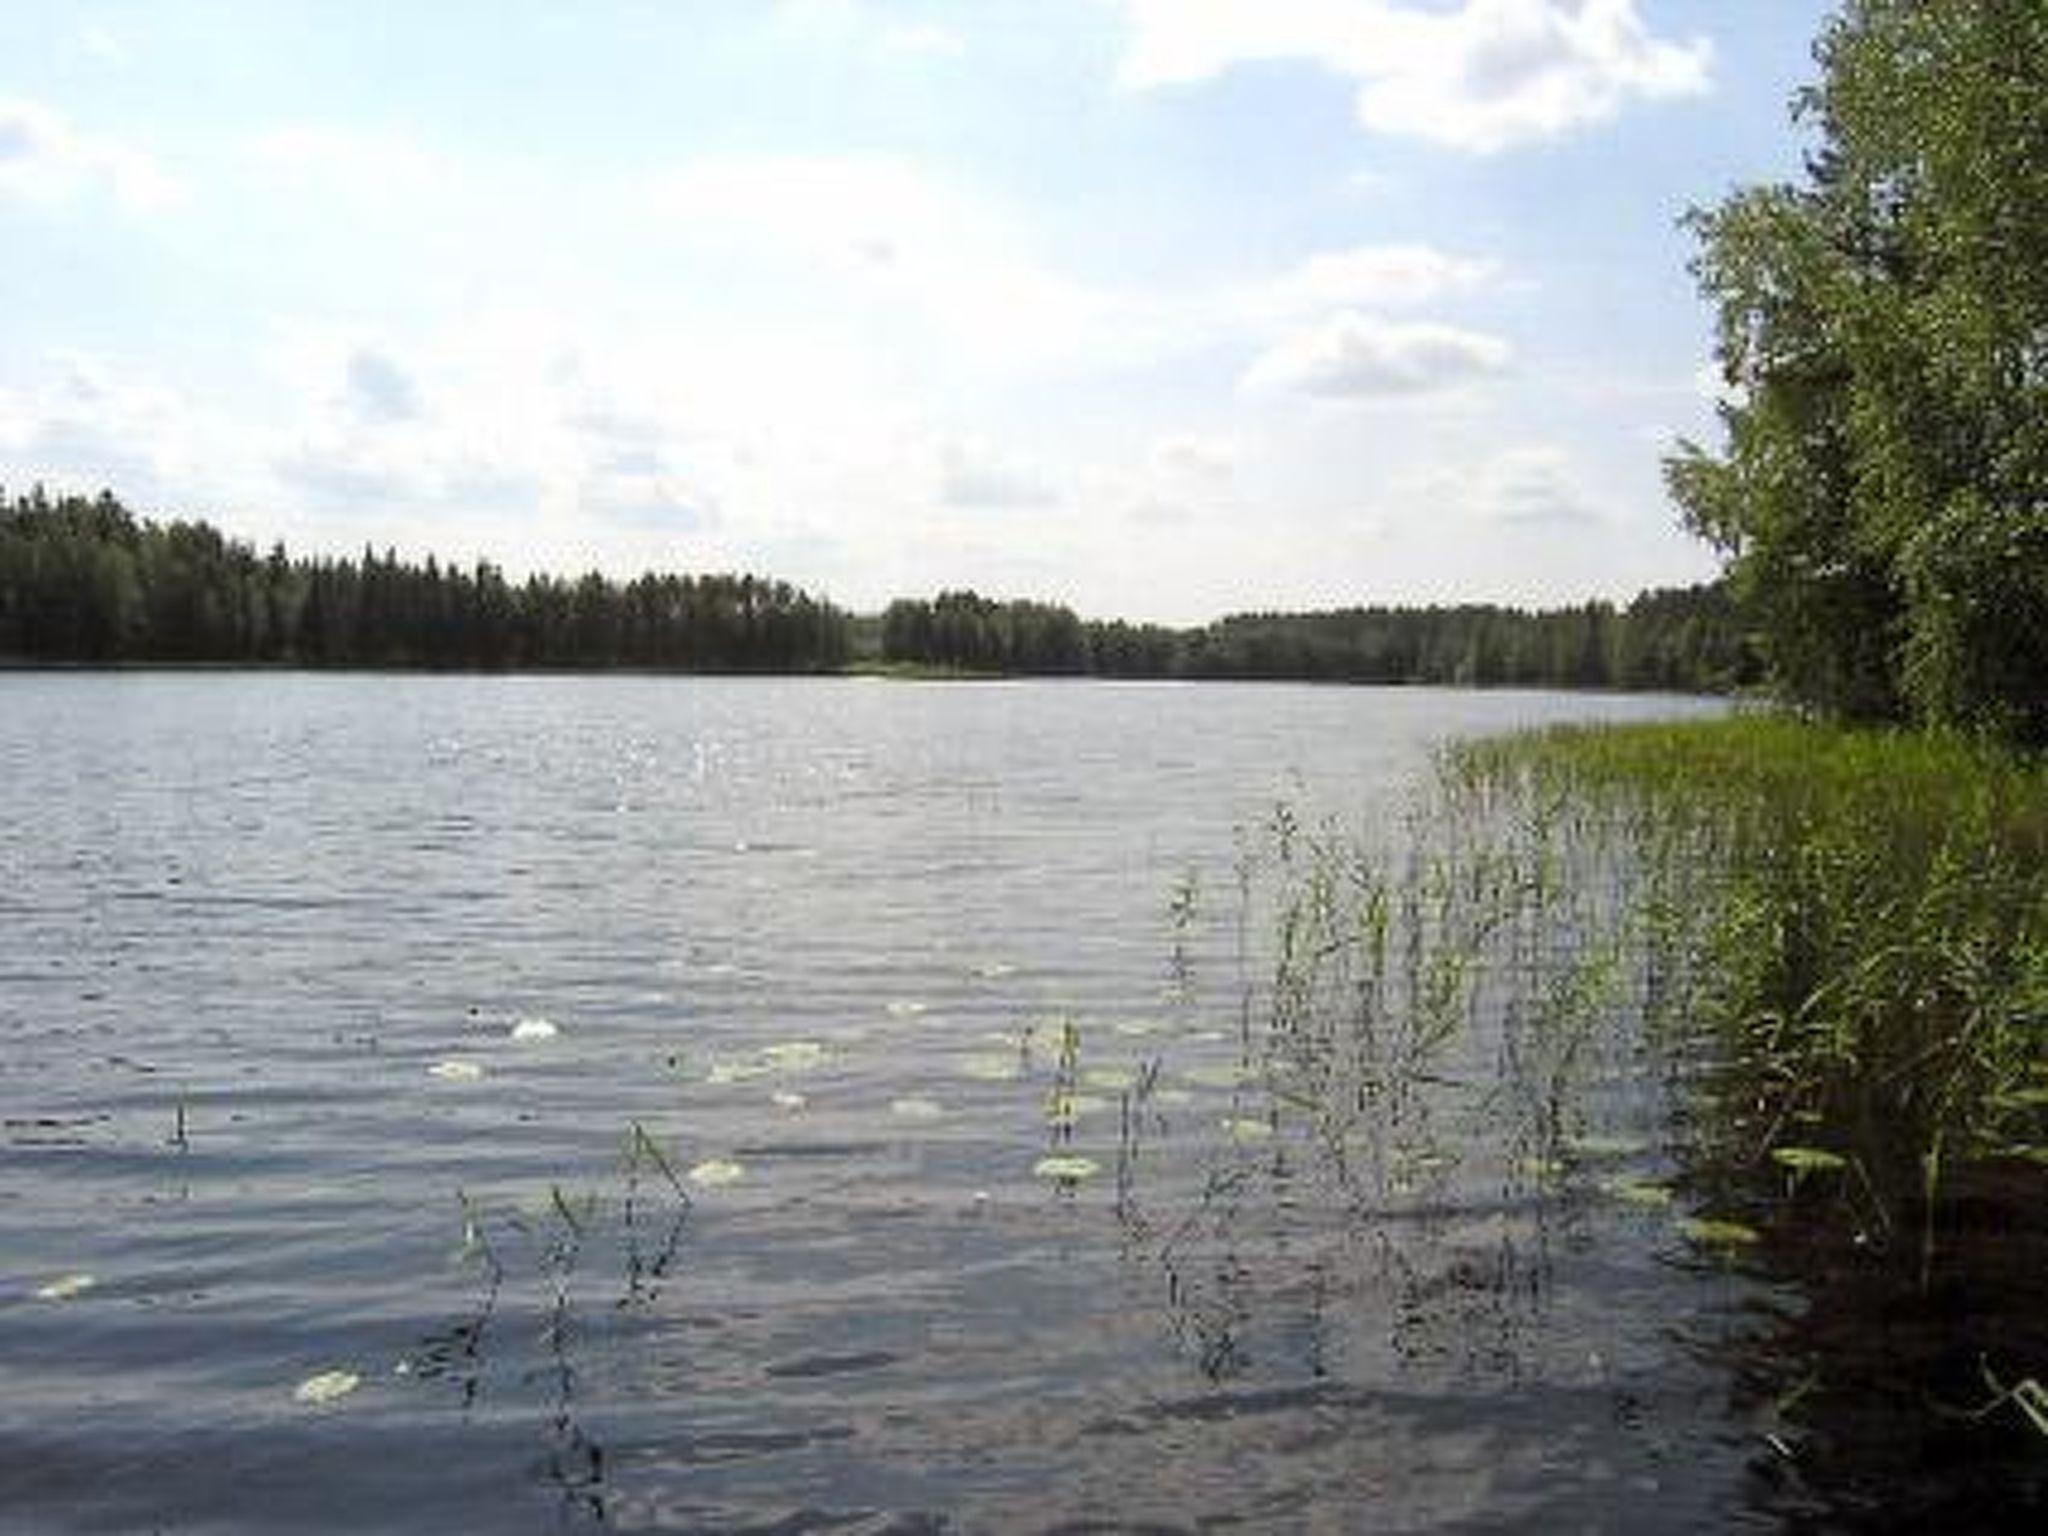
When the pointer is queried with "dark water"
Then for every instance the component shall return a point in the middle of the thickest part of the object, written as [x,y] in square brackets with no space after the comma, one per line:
[759,1237]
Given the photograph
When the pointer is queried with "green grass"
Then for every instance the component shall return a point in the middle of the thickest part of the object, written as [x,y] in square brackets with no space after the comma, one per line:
[1864,921]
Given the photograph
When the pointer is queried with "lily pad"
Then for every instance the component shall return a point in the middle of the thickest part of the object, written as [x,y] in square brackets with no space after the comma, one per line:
[326,1387]
[726,1072]
[915,1108]
[64,1287]
[1643,1192]
[1600,1149]
[1241,1129]
[794,1055]
[989,1068]
[1217,1074]
[1709,1233]
[1067,1167]
[789,1102]
[905,1008]
[456,1071]
[1808,1159]
[715,1172]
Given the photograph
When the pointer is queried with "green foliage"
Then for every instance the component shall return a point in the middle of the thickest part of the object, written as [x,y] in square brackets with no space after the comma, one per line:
[84,580]
[1678,639]
[1869,911]
[1883,491]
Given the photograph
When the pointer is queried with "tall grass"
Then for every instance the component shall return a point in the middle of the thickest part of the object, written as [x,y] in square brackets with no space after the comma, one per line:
[1860,919]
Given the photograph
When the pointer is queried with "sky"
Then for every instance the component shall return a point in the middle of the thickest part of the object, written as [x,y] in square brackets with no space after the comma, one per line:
[1160,308]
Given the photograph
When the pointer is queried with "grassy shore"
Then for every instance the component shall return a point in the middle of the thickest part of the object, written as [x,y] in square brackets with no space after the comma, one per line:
[1847,931]
[1868,914]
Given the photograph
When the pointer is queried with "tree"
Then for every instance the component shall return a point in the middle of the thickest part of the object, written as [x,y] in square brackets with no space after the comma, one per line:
[1882,494]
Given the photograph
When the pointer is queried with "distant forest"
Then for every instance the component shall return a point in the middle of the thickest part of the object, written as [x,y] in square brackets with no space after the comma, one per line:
[83,580]
[1681,639]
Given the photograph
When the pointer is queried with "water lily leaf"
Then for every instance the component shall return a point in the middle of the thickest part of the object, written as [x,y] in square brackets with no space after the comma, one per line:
[989,1068]
[1606,1148]
[725,1072]
[794,1055]
[1718,1234]
[1066,1166]
[326,1387]
[1808,1159]
[534,1029]
[905,1008]
[715,1172]
[790,1102]
[1643,1192]
[1239,1129]
[456,1071]
[64,1287]
[1110,1079]
[1218,1074]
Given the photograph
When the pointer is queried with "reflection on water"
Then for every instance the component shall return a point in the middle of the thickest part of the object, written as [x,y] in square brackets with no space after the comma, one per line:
[968,1108]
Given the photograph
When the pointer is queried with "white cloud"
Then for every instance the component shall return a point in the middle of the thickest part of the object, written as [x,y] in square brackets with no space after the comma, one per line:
[1357,356]
[920,41]
[887,244]
[1534,488]
[1478,76]
[972,472]
[44,158]
[1190,459]
[87,424]
[1373,276]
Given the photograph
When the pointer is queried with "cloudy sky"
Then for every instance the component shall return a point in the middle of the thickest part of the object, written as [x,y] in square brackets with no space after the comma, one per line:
[1163,308]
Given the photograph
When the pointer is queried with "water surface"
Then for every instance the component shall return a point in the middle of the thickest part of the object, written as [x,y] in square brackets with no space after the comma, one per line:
[758,1236]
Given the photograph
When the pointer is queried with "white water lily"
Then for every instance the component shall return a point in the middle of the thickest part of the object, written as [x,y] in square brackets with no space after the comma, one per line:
[64,1287]
[715,1172]
[534,1029]
[905,1008]
[326,1387]
[456,1071]
[790,1102]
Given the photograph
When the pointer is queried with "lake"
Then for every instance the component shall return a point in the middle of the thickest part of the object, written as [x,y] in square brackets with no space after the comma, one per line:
[528,1103]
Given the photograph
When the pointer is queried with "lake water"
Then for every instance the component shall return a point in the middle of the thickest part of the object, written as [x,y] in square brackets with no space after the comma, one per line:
[760,1234]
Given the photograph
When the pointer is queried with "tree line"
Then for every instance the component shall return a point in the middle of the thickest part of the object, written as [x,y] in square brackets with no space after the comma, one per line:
[1881,493]
[84,580]
[1681,639]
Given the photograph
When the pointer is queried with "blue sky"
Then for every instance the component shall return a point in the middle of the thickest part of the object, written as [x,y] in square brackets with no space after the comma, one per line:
[1163,308]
